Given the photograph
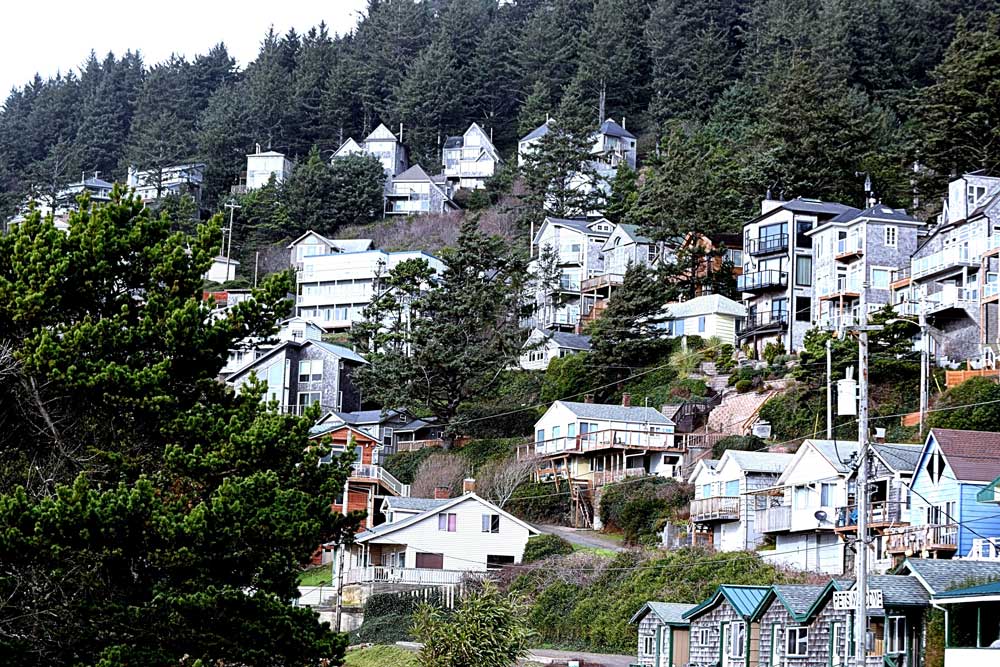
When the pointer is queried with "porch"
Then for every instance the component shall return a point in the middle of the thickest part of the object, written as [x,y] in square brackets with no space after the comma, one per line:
[938,540]
[720,508]
[403,575]
[972,626]
[881,515]
[605,439]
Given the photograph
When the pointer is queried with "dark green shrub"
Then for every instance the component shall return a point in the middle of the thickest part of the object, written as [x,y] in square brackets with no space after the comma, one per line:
[389,617]
[772,350]
[478,452]
[539,502]
[639,507]
[747,443]
[743,386]
[543,546]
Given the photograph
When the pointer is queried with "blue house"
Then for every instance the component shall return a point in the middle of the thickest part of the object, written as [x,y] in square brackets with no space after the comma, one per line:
[946,518]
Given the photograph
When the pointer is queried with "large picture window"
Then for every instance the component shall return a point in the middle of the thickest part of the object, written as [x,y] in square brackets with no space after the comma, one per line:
[797,642]
[310,370]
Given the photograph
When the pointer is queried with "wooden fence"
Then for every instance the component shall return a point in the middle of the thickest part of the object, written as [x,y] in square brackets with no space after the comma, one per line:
[953,378]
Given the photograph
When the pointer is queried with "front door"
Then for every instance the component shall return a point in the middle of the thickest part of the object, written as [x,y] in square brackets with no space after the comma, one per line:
[838,644]
[726,639]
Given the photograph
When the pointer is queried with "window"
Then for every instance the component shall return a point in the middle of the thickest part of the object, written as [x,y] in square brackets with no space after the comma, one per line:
[556,432]
[706,490]
[881,278]
[803,270]
[775,645]
[896,634]
[447,521]
[975,193]
[701,324]
[801,497]
[307,398]
[779,307]
[310,370]
[702,637]
[733,488]
[797,642]
[491,523]
[826,495]
[571,430]
[737,640]
[540,435]
[677,327]
[803,309]
[891,237]
[839,641]
[649,645]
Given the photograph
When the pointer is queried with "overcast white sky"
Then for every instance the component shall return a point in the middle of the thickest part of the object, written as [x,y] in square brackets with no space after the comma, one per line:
[47,36]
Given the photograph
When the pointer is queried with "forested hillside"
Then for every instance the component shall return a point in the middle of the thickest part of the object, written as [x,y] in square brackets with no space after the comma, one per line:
[794,96]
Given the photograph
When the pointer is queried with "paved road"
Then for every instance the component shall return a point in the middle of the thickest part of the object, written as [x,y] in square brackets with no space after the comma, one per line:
[545,656]
[583,538]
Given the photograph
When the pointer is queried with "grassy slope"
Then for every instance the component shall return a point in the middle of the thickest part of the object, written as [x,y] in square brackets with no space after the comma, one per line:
[316,576]
[381,656]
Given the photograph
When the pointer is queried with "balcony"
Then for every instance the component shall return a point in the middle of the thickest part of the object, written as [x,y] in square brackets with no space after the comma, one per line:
[954,257]
[767,245]
[721,508]
[933,538]
[602,477]
[850,249]
[776,519]
[382,476]
[760,281]
[597,440]
[880,515]
[845,288]
[602,282]
[984,548]
[403,575]
[952,296]
[766,322]
[991,288]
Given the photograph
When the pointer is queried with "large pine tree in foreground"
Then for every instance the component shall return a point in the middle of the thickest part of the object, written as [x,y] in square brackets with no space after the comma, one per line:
[150,516]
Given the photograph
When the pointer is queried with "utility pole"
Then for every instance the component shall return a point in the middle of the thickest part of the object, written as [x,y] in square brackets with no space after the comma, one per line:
[924,363]
[861,544]
[232,206]
[340,560]
[829,389]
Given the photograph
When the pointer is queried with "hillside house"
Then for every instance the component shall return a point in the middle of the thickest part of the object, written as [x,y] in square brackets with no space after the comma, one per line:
[873,245]
[972,625]
[291,329]
[952,469]
[177,180]
[263,165]
[890,474]
[313,244]
[800,627]
[798,511]
[938,575]
[97,190]
[664,634]
[381,425]
[613,144]
[707,316]
[722,514]
[544,345]
[333,289]
[722,630]
[597,444]
[777,277]
[413,192]
[565,254]
[438,545]
[301,373]
[383,145]
[469,159]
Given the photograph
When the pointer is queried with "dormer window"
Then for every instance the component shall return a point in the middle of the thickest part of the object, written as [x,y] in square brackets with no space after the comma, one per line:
[975,193]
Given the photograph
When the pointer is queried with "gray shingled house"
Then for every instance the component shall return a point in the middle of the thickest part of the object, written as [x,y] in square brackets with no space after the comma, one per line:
[664,634]
[722,630]
[800,628]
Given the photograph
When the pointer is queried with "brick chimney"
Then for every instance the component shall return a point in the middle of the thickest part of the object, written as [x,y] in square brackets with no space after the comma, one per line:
[468,485]
[626,400]
[588,398]
[442,493]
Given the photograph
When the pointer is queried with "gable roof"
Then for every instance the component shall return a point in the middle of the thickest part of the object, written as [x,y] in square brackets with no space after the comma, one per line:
[330,348]
[898,457]
[381,133]
[938,575]
[569,341]
[798,599]
[991,589]
[350,146]
[813,206]
[632,231]
[365,416]
[308,233]
[707,304]
[898,590]
[839,453]
[757,461]
[339,350]
[974,456]
[668,613]
[743,599]
[618,413]
[536,133]
[702,464]
[318,430]
[387,528]
[414,173]
[413,504]
[613,129]
[582,226]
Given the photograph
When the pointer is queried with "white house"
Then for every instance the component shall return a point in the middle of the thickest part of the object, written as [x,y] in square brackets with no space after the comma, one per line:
[223,269]
[291,329]
[381,144]
[469,159]
[413,192]
[706,316]
[262,165]
[799,510]
[613,144]
[544,345]
[333,289]
[312,244]
[436,541]
[599,443]
[173,180]
[722,515]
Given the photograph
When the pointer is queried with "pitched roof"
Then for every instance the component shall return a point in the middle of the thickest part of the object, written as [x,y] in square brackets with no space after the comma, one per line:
[798,599]
[743,599]
[568,340]
[633,233]
[618,413]
[974,456]
[330,348]
[577,225]
[412,426]
[414,173]
[416,518]
[339,350]
[418,504]
[883,212]
[366,416]
[899,590]
[899,458]
[938,575]
[670,613]
[838,452]
[613,129]
[706,305]
[539,131]
[759,461]
[992,588]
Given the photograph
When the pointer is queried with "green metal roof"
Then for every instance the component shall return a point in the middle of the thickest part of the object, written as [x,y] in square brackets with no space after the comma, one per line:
[990,492]
[669,613]
[992,588]
[743,599]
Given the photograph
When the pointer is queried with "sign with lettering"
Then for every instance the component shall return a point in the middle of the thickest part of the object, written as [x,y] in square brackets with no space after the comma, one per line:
[848,600]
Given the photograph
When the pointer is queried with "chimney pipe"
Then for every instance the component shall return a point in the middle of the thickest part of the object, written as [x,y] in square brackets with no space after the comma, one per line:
[626,400]
[468,486]
[588,398]
[442,493]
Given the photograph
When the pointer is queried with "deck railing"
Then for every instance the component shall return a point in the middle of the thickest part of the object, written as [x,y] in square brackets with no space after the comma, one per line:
[718,508]
[609,438]
[930,537]
[403,575]
[774,519]
[879,512]
[382,475]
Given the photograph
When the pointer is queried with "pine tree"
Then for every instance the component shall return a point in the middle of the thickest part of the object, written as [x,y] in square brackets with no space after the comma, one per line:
[537,108]
[427,104]
[356,186]
[629,332]
[550,44]
[312,72]
[624,194]
[309,197]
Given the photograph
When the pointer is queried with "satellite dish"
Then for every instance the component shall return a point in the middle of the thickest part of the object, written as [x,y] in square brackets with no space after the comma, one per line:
[820,516]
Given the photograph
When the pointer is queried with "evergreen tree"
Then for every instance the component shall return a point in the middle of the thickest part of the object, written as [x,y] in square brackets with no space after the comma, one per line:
[536,109]
[624,194]
[477,300]
[427,104]
[309,197]
[495,80]
[629,332]
[312,72]
[162,141]
[357,183]
[550,43]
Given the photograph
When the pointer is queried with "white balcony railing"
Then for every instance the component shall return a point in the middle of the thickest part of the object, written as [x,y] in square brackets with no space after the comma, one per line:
[961,255]
[952,296]
[985,548]
[380,474]
[851,245]
[610,438]
[403,575]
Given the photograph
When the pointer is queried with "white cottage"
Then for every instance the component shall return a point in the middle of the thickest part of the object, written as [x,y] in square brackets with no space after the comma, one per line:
[469,159]
[544,345]
[707,316]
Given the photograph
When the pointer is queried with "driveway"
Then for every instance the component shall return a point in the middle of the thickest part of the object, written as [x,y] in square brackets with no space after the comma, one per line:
[546,657]
[584,538]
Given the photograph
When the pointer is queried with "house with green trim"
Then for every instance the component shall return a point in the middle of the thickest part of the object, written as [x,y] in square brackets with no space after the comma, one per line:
[896,629]
[722,632]
[972,625]
[799,627]
[664,634]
